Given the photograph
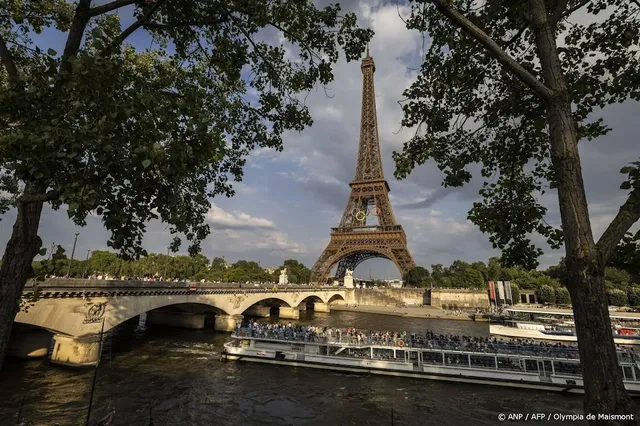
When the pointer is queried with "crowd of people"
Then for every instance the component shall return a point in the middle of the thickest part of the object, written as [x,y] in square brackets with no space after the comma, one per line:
[354,337]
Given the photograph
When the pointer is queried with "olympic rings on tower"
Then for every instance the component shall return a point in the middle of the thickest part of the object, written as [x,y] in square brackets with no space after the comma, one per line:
[361,215]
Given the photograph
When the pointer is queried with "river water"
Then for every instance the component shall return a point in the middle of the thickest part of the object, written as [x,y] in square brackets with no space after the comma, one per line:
[176,377]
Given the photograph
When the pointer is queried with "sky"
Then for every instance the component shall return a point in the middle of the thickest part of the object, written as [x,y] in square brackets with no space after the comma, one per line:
[288,201]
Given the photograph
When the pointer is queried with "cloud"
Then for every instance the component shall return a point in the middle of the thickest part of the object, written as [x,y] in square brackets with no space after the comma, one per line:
[288,201]
[220,219]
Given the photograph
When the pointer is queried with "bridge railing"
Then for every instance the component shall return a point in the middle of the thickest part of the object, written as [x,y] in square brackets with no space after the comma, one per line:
[81,284]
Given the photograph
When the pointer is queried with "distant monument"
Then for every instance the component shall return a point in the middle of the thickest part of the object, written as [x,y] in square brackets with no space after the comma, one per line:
[284,279]
[348,278]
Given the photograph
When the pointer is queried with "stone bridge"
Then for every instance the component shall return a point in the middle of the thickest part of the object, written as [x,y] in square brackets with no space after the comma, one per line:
[75,311]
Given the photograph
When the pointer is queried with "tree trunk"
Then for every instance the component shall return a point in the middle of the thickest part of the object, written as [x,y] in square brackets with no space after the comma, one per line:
[604,388]
[22,248]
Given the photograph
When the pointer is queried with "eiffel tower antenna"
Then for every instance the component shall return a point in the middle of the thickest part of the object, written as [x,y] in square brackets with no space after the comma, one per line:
[355,241]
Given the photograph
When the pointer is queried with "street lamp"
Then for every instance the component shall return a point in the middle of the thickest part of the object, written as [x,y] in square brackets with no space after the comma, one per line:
[72,253]
[86,265]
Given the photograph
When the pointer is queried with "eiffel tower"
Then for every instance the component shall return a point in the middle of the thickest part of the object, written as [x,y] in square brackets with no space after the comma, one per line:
[356,239]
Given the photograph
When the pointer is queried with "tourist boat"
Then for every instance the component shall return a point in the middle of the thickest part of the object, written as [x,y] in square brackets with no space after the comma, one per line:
[527,368]
[563,331]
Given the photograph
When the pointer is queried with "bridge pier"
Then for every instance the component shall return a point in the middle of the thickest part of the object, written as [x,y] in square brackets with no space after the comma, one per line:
[258,311]
[176,319]
[321,307]
[71,351]
[227,322]
[27,344]
[289,313]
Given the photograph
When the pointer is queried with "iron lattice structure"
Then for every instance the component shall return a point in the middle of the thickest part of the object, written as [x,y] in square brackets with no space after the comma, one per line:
[354,241]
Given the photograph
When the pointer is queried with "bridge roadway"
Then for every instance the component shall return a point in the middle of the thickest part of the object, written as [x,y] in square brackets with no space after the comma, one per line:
[75,310]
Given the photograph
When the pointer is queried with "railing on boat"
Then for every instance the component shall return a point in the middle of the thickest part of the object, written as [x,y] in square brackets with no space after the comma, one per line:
[499,348]
[537,364]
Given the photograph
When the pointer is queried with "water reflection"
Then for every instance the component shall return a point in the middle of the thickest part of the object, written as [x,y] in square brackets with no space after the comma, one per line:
[178,374]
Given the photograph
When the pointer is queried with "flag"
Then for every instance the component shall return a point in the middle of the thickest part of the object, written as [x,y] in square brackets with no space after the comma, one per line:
[492,290]
[500,290]
[507,292]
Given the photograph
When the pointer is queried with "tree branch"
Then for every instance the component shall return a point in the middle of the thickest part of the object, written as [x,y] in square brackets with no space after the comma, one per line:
[561,10]
[9,64]
[36,198]
[538,87]
[99,10]
[140,22]
[74,39]
[199,22]
[628,214]
[558,12]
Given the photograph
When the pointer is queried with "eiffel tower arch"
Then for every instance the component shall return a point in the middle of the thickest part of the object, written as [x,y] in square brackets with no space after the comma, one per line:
[358,238]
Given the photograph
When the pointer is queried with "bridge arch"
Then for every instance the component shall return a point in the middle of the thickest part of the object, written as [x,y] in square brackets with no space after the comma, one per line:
[121,312]
[351,257]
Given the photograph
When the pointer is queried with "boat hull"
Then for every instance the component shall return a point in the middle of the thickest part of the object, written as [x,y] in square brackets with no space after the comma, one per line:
[521,333]
[466,375]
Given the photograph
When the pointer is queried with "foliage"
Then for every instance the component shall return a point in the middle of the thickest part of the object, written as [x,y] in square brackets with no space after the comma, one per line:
[617,297]
[160,266]
[634,296]
[470,108]
[562,296]
[297,273]
[546,294]
[417,277]
[627,255]
[515,294]
[138,134]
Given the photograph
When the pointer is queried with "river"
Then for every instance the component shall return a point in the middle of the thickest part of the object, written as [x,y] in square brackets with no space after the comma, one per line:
[176,377]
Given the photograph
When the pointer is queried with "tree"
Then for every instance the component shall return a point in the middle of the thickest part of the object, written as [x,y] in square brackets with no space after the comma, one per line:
[634,296]
[134,135]
[617,297]
[546,294]
[626,256]
[418,277]
[496,89]
[515,294]
[562,296]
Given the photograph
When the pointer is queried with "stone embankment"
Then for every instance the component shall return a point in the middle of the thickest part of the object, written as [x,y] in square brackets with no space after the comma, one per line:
[427,312]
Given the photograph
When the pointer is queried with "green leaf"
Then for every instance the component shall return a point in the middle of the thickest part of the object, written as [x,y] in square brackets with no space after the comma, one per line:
[627,169]
[51,52]
[146,163]
[625,185]
[42,251]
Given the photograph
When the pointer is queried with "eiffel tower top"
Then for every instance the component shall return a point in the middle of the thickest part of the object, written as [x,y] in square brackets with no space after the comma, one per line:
[369,165]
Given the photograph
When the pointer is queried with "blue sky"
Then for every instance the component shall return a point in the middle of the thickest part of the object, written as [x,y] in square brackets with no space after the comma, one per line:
[288,201]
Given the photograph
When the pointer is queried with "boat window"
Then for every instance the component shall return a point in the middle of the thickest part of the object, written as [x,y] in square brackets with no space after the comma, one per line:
[483,361]
[432,358]
[511,364]
[360,353]
[399,354]
[531,365]
[628,372]
[382,353]
[567,368]
[456,359]
[323,350]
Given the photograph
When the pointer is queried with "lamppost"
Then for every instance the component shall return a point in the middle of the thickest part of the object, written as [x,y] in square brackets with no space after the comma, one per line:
[53,244]
[166,265]
[72,253]
[86,265]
